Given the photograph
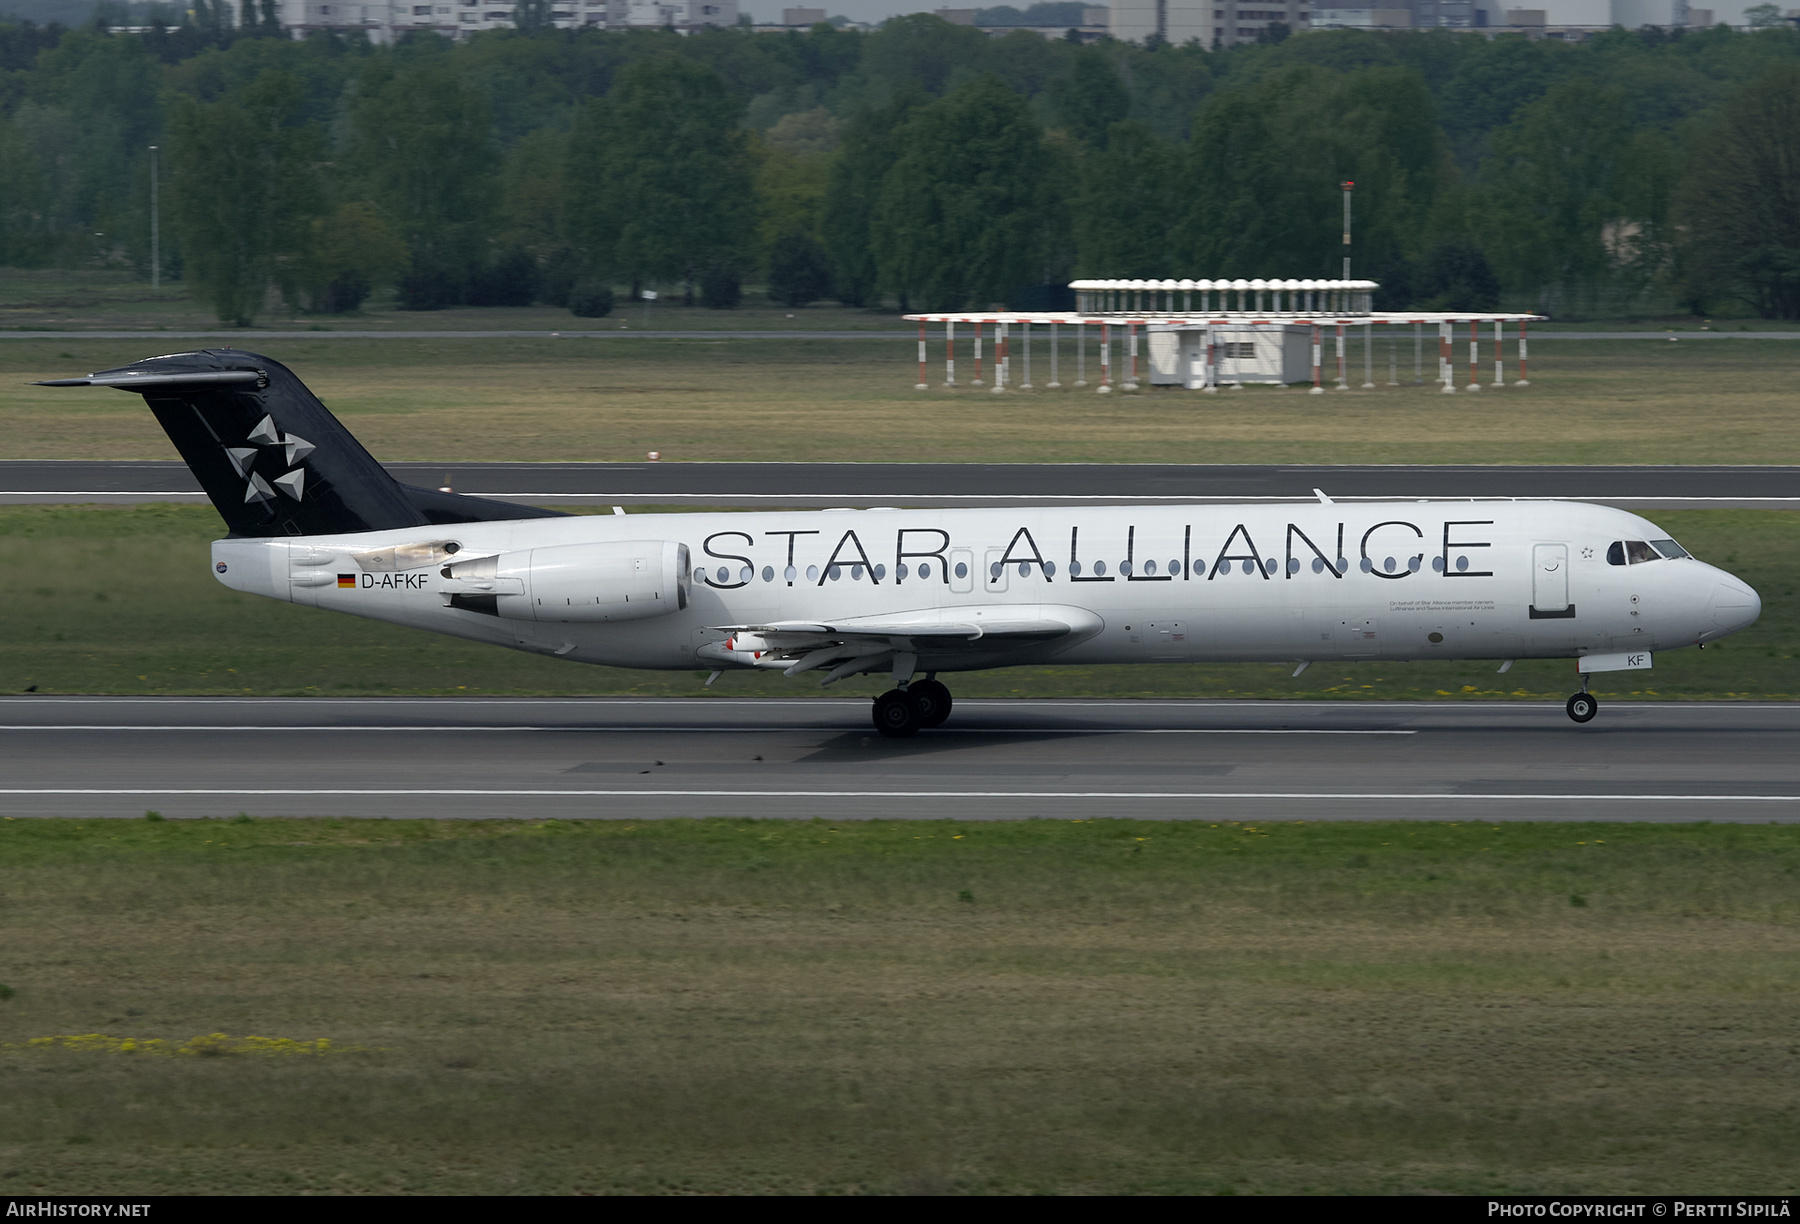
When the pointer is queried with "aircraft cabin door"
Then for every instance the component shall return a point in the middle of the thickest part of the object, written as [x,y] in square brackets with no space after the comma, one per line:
[1550,582]
[962,570]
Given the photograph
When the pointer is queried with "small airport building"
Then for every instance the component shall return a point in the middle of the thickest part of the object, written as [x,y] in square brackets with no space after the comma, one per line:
[1205,335]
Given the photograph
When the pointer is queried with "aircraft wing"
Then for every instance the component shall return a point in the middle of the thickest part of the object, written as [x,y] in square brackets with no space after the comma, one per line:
[895,640]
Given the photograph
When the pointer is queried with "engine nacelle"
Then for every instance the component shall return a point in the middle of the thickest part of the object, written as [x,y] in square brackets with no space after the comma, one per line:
[616,581]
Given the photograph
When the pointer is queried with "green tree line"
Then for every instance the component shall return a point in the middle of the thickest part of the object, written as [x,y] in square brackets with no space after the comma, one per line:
[922,164]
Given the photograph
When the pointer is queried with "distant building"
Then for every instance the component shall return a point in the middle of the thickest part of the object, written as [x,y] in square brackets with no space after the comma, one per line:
[1362,19]
[382,22]
[1210,22]
[1561,19]
[1443,14]
[680,14]
[1096,23]
[1576,18]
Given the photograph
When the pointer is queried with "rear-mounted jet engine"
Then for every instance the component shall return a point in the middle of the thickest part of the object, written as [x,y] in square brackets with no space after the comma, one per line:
[616,581]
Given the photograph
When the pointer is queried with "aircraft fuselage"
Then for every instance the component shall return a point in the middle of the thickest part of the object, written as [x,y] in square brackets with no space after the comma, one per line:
[1284,582]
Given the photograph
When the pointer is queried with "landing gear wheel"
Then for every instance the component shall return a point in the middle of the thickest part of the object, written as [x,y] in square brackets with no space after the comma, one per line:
[896,714]
[933,700]
[1583,707]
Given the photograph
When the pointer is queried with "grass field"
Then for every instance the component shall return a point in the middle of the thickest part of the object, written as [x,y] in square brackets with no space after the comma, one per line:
[61,299]
[852,400]
[121,600]
[731,1006]
[58,300]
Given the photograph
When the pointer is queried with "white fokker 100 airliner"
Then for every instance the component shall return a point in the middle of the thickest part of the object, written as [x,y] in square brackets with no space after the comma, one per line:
[315,520]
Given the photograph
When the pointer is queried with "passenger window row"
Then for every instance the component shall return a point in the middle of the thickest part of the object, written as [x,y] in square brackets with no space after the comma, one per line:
[723,576]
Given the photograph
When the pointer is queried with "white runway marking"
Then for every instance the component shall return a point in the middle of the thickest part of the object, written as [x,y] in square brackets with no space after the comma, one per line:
[1385,796]
[364,728]
[1013,703]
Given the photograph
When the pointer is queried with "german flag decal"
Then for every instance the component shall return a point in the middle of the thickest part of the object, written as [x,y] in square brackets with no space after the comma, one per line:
[346,582]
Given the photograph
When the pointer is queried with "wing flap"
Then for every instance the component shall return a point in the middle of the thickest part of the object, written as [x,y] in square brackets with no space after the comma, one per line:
[1006,621]
[871,643]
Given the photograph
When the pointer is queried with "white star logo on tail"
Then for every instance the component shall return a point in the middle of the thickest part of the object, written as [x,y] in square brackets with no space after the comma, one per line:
[243,460]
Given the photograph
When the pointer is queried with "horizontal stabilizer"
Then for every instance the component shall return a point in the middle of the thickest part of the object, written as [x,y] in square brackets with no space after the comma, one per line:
[134,380]
[272,458]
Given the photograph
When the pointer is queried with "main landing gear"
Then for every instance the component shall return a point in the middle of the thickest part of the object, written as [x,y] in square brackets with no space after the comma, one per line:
[902,712]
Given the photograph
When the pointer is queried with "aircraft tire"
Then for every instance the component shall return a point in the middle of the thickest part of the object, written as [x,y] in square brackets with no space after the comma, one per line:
[896,714]
[1582,707]
[933,700]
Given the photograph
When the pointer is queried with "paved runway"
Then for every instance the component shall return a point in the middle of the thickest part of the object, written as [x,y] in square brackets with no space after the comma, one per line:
[919,484]
[253,337]
[649,759]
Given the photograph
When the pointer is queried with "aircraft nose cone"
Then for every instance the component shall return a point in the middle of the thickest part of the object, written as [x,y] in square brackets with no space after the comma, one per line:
[1735,605]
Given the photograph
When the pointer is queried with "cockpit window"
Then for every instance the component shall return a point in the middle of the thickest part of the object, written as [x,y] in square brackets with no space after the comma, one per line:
[1669,548]
[1637,552]
[1615,553]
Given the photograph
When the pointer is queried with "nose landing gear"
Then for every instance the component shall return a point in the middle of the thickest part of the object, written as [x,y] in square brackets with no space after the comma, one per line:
[900,713]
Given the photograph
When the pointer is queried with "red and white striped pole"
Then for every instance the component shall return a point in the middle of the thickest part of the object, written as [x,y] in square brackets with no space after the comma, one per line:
[1446,361]
[977,381]
[1318,356]
[1131,384]
[1474,356]
[921,385]
[950,352]
[1342,384]
[1499,354]
[1105,359]
[1001,366]
[1524,379]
